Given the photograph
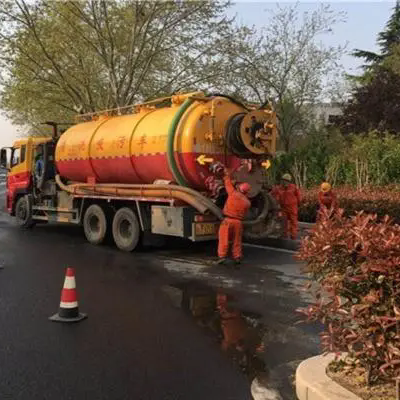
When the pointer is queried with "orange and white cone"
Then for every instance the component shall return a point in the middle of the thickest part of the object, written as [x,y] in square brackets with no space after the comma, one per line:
[69,310]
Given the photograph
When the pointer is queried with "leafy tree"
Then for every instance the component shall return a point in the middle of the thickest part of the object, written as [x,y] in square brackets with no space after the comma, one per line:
[392,62]
[366,160]
[58,58]
[375,102]
[374,105]
[315,158]
[285,63]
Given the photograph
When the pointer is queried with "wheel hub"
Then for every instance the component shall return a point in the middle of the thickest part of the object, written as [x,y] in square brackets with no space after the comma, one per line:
[125,229]
[22,211]
[94,223]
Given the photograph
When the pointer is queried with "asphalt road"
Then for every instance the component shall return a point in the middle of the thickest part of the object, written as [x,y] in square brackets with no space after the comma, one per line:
[153,329]
[2,184]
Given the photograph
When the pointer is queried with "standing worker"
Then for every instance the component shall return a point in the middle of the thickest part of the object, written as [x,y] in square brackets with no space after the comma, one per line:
[288,196]
[235,209]
[326,198]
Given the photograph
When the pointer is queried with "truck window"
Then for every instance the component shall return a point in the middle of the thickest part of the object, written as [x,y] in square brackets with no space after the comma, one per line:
[23,151]
[15,157]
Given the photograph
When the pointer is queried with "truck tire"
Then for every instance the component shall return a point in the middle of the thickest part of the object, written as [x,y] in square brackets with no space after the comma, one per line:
[126,229]
[95,224]
[23,213]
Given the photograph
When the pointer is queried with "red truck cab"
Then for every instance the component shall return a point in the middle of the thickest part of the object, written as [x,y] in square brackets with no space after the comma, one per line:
[19,162]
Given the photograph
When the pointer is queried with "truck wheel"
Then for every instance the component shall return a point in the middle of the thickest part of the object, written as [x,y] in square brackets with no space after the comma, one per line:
[95,224]
[23,213]
[126,229]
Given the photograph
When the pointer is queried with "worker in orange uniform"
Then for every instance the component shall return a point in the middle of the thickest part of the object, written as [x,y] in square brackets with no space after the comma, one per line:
[235,209]
[288,196]
[326,198]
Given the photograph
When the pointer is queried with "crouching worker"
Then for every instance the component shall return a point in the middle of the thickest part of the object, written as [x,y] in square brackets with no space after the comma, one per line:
[235,209]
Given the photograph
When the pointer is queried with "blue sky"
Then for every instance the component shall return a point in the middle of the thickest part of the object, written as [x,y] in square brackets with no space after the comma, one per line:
[364,20]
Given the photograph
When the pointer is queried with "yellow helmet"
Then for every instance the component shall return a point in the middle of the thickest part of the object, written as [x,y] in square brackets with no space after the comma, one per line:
[287,177]
[326,187]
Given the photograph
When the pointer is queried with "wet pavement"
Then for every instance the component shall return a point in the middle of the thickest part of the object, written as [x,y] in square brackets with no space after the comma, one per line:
[163,323]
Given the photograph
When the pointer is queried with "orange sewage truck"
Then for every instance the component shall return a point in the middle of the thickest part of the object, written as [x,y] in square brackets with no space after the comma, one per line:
[145,168]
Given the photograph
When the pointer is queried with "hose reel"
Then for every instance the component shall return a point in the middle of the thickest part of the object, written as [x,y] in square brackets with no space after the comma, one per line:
[252,134]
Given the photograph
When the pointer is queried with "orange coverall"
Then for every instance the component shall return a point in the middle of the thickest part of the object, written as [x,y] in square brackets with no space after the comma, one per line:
[327,199]
[289,199]
[235,209]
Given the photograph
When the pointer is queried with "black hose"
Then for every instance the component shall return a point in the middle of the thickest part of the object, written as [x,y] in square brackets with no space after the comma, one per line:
[267,218]
[265,210]
[232,99]
[233,139]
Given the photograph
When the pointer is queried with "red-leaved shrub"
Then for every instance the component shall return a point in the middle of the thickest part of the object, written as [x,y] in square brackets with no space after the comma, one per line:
[377,200]
[355,265]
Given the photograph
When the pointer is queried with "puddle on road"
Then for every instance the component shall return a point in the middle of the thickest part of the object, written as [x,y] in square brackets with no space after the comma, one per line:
[239,334]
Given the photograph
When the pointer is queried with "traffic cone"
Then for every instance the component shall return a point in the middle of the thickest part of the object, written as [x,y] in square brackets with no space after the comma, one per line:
[69,310]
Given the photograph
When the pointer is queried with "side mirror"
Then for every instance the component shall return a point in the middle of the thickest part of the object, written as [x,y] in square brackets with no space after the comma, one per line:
[3,159]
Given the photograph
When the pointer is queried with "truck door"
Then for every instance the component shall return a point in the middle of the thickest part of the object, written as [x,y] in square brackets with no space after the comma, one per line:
[19,175]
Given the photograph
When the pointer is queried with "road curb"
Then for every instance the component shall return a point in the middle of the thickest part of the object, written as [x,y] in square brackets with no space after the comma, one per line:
[286,244]
[292,245]
[312,382]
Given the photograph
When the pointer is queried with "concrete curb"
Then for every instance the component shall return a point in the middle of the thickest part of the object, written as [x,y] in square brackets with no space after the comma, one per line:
[292,245]
[312,382]
[280,243]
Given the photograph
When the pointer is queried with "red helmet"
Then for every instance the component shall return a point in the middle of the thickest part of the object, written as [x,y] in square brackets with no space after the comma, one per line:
[245,187]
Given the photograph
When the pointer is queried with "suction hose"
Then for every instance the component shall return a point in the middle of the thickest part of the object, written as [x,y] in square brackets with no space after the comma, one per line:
[167,192]
[189,196]
[267,221]
[264,212]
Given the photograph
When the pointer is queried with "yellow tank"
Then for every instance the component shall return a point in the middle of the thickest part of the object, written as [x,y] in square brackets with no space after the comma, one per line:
[174,143]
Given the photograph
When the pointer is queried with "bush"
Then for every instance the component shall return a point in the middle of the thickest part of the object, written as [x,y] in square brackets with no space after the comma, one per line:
[355,263]
[309,205]
[357,160]
[379,200]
